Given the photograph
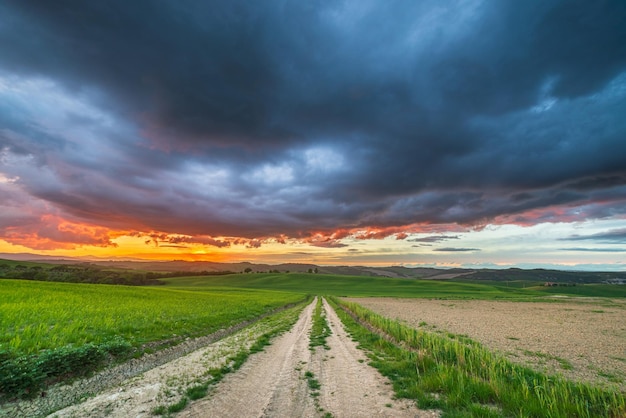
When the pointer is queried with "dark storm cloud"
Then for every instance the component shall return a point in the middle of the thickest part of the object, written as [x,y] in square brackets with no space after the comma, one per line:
[596,250]
[251,119]
[434,238]
[453,249]
[612,236]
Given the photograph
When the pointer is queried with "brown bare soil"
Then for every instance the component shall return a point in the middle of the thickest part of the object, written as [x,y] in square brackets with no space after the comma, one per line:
[583,339]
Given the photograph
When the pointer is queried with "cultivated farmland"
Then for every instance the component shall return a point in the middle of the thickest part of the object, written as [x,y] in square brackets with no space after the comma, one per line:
[311,368]
[40,315]
[583,339]
[51,331]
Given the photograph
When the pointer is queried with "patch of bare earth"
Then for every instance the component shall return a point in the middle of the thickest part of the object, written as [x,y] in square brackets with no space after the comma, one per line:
[269,384]
[583,339]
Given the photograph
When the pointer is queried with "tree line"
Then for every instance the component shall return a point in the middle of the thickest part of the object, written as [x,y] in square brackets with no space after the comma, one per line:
[94,274]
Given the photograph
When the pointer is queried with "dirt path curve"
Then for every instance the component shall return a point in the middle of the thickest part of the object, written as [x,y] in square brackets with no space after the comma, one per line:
[272,383]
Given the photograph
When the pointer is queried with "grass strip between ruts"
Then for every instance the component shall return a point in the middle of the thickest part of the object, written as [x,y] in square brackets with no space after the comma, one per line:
[320,329]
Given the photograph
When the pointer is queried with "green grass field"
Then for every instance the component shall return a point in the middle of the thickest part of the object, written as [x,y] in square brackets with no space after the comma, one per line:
[52,330]
[334,285]
[43,315]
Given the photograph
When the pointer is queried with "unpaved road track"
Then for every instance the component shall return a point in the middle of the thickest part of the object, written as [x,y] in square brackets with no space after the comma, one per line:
[268,384]
[271,383]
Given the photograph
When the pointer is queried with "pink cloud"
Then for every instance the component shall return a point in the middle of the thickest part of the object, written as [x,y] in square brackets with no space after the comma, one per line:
[51,232]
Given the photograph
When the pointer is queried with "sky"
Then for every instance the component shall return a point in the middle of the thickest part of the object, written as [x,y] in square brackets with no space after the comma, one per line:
[444,133]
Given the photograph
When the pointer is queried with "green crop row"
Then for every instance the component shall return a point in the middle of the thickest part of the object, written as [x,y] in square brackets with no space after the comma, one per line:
[463,378]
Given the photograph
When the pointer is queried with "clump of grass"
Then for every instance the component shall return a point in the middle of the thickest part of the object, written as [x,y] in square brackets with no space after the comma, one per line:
[463,378]
[178,406]
[159,410]
[313,383]
[320,329]
[315,386]
[197,392]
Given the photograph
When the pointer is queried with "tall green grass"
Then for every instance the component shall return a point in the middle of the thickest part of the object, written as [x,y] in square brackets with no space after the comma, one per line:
[40,315]
[463,378]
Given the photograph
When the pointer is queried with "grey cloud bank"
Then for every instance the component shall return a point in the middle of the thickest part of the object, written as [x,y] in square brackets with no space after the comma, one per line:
[267,119]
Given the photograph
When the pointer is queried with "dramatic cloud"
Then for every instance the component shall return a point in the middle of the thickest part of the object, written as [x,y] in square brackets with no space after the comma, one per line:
[245,123]
[434,238]
[612,236]
[598,250]
[452,249]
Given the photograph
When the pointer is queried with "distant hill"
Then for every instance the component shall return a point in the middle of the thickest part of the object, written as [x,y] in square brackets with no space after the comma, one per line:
[178,266]
[544,275]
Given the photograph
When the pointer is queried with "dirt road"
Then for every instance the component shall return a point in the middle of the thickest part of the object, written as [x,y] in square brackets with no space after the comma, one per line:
[271,383]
